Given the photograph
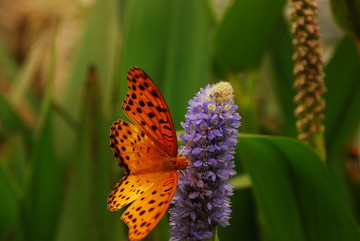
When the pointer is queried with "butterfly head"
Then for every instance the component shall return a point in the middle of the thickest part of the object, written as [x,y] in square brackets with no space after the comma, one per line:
[176,163]
[182,163]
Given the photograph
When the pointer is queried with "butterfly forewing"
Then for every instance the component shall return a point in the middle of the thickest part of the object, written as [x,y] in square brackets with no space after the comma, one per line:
[146,107]
[134,151]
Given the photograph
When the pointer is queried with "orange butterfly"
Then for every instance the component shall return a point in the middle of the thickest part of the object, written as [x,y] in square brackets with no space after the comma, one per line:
[147,152]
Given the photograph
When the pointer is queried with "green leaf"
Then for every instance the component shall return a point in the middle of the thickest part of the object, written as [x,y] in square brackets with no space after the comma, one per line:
[89,179]
[146,31]
[243,217]
[342,98]
[145,38]
[11,122]
[241,181]
[187,59]
[245,32]
[43,197]
[342,108]
[294,191]
[9,208]
[170,40]
[21,85]
[77,213]
[283,79]
[98,48]
[347,15]
[7,63]
[243,221]
[215,237]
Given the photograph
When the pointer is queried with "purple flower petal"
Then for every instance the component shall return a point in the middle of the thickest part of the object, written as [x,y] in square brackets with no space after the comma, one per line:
[212,129]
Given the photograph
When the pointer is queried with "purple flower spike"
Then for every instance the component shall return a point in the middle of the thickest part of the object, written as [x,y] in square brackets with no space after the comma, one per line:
[211,128]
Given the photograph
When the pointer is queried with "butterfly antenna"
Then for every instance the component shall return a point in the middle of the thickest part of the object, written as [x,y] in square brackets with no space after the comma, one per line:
[189,142]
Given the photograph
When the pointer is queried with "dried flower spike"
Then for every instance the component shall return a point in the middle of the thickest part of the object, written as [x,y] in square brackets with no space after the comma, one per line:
[308,69]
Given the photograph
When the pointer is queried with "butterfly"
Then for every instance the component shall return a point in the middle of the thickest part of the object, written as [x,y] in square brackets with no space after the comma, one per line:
[147,153]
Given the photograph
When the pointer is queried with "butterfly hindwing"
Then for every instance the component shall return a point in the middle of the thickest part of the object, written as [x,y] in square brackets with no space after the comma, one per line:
[146,107]
[145,213]
[129,188]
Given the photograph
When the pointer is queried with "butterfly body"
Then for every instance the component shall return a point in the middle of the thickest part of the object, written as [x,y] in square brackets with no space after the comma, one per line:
[178,163]
[165,164]
[147,153]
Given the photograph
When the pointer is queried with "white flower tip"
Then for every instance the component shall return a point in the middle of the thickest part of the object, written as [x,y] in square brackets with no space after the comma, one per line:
[220,92]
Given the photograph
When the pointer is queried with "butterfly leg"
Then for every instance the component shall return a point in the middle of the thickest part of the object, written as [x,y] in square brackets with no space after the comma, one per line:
[202,185]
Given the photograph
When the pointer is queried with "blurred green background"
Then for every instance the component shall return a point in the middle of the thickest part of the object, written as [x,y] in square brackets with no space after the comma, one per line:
[63,71]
